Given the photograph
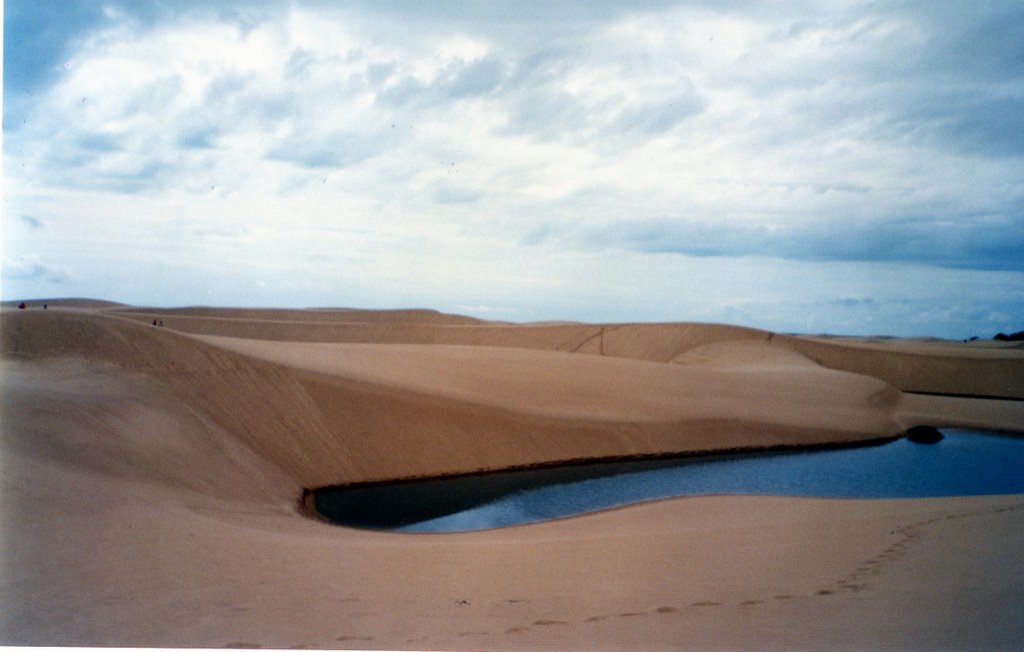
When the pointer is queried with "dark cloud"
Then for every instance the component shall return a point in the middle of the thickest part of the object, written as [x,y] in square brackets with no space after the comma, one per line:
[23,271]
[79,166]
[451,194]
[935,75]
[857,188]
[31,222]
[533,21]
[237,99]
[986,126]
[475,78]
[977,42]
[959,89]
[985,123]
[655,117]
[335,150]
[198,138]
[100,143]
[299,64]
[144,175]
[547,112]
[853,302]
[458,80]
[987,243]
[407,91]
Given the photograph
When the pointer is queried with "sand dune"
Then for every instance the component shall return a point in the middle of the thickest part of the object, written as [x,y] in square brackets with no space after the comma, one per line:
[151,478]
[69,302]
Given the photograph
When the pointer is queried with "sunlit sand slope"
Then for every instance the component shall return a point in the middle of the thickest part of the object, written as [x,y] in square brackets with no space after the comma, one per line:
[339,412]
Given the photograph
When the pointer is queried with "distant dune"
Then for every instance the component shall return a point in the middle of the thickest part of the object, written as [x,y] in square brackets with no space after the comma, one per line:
[152,477]
[65,303]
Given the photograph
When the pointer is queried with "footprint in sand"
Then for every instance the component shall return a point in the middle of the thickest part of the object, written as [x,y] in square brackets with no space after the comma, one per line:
[550,622]
[517,630]
[706,603]
[665,610]
[344,637]
[630,614]
[595,619]
[242,645]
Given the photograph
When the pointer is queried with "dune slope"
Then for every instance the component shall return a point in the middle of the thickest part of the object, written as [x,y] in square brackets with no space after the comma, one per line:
[151,478]
[333,413]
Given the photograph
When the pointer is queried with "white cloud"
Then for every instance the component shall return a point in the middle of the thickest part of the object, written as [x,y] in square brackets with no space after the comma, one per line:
[687,107]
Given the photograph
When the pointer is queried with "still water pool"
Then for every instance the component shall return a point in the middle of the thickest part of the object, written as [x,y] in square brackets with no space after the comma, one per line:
[964,463]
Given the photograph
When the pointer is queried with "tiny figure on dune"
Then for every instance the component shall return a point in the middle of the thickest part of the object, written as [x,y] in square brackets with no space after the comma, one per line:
[21,306]
[154,322]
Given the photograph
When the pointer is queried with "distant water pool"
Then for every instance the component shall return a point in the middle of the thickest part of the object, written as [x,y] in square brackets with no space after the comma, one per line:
[964,463]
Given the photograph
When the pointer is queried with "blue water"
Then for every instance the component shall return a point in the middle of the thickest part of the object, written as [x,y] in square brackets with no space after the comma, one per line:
[962,464]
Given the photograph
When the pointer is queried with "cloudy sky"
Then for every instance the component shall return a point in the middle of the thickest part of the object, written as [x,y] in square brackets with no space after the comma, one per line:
[849,167]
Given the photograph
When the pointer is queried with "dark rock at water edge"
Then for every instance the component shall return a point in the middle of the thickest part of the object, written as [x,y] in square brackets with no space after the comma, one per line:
[1013,337]
[924,435]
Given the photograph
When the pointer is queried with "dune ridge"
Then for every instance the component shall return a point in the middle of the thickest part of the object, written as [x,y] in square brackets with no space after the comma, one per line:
[991,369]
[177,455]
[398,399]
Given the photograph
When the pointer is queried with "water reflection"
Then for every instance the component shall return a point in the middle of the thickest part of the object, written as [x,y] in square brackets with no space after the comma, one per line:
[964,463]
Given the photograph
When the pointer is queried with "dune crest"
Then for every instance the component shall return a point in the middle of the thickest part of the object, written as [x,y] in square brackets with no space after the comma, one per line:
[394,399]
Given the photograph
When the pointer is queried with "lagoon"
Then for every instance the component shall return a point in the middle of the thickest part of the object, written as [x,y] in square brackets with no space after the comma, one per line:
[964,463]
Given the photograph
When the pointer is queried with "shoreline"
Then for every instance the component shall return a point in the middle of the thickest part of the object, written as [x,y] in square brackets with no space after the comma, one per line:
[640,457]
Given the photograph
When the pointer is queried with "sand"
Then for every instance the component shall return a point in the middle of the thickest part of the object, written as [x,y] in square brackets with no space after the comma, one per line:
[152,475]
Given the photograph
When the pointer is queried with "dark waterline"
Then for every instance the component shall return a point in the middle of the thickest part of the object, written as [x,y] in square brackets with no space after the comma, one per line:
[963,464]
